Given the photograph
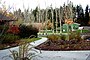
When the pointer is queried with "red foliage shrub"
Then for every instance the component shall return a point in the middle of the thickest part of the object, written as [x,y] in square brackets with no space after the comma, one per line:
[13,29]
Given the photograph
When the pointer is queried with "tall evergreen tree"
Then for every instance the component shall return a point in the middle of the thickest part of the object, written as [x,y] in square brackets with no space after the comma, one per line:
[86,15]
[35,12]
[80,15]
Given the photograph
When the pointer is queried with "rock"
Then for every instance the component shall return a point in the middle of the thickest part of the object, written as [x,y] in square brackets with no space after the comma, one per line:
[85,36]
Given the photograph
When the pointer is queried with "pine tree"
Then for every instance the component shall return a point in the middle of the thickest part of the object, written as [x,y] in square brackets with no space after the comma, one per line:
[86,15]
[80,15]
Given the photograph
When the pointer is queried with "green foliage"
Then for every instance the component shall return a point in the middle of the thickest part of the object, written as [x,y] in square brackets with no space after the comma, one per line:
[8,38]
[86,20]
[82,18]
[3,28]
[83,31]
[71,37]
[75,36]
[63,37]
[53,38]
[27,31]
[80,15]
[30,39]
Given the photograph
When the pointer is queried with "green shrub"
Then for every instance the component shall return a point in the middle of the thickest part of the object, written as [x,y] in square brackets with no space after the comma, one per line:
[3,28]
[30,39]
[63,37]
[53,38]
[27,31]
[8,38]
[74,37]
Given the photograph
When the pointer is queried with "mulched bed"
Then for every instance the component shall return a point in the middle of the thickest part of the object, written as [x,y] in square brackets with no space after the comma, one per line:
[86,33]
[10,45]
[81,45]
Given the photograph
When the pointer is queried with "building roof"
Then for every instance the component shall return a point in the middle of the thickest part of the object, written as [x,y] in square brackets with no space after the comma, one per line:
[6,18]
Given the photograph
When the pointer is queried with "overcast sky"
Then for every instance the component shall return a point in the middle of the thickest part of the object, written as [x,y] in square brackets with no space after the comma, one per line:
[42,3]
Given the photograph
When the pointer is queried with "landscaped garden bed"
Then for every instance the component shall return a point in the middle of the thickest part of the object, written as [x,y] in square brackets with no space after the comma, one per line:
[61,43]
[17,43]
[14,36]
[82,45]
